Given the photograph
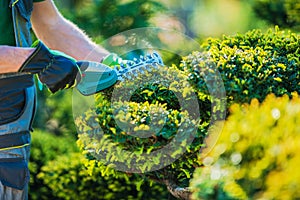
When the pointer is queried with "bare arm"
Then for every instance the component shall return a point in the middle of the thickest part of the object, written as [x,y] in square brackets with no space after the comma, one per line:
[60,34]
[12,58]
[57,33]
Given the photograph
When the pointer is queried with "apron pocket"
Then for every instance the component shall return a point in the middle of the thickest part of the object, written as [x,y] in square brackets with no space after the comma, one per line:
[14,172]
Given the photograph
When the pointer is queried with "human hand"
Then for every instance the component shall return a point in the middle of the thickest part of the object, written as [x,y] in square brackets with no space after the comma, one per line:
[54,68]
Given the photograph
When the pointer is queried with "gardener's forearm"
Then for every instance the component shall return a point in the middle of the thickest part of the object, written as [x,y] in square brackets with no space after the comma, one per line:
[60,34]
[71,40]
[12,58]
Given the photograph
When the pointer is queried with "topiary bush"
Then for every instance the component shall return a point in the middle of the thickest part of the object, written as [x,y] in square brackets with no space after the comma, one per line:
[152,111]
[256,156]
[251,65]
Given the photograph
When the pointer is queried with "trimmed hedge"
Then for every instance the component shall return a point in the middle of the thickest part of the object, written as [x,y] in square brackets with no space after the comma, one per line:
[152,110]
[256,156]
[251,65]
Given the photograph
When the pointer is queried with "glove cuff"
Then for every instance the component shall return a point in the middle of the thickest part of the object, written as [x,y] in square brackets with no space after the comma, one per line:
[41,55]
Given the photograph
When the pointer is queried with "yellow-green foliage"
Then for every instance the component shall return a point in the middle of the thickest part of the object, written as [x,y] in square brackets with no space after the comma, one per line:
[73,177]
[46,147]
[153,111]
[251,65]
[257,154]
[59,172]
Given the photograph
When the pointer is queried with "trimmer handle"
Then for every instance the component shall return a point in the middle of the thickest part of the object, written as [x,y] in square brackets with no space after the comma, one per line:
[95,77]
[98,76]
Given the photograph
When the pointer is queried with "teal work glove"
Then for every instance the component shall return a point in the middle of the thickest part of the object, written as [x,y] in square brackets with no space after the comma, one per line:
[55,69]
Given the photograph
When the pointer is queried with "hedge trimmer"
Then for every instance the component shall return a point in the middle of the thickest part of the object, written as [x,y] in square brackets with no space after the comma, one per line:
[98,76]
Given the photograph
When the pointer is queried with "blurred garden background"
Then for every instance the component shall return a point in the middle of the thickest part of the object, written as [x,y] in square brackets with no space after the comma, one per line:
[254,45]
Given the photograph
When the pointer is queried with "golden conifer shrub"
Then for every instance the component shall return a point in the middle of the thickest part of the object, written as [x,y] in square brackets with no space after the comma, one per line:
[257,154]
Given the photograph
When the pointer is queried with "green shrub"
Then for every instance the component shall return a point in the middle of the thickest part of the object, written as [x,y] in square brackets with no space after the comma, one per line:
[58,172]
[46,147]
[69,178]
[152,110]
[252,65]
[284,13]
[256,156]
